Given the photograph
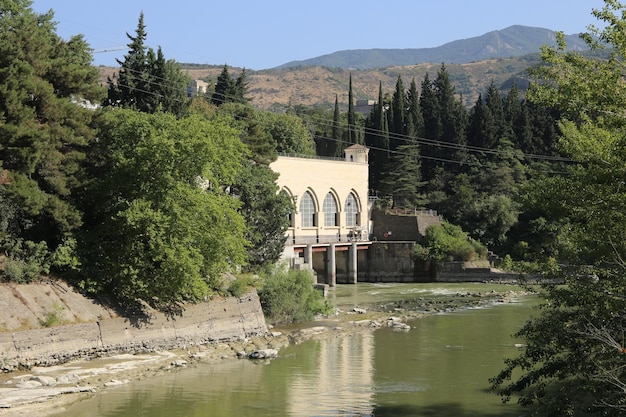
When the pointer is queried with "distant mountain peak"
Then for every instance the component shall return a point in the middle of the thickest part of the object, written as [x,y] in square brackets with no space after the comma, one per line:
[514,40]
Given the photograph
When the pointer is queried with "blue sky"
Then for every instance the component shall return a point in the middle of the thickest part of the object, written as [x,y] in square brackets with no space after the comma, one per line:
[264,34]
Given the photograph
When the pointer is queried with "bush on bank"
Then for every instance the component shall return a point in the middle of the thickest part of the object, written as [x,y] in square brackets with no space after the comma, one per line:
[448,242]
[288,296]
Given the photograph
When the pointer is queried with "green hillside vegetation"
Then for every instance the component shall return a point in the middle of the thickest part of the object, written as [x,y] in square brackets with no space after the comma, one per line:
[510,42]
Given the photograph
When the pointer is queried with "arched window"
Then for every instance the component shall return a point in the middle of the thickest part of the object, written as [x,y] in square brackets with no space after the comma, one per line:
[307,210]
[352,211]
[290,216]
[330,210]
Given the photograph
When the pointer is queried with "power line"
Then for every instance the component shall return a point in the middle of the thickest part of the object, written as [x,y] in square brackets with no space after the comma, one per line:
[165,83]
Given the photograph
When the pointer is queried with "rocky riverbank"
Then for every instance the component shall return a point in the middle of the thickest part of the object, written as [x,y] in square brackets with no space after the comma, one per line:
[43,391]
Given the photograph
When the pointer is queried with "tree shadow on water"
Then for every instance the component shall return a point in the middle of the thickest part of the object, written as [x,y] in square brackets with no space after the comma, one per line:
[438,410]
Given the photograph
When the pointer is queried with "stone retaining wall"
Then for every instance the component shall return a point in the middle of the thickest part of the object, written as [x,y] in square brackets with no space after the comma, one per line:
[220,319]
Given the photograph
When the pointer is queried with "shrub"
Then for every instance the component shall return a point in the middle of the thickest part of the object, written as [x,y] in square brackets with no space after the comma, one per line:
[448,242]
[289,296]
[239,286]
[53,318]
[25,261]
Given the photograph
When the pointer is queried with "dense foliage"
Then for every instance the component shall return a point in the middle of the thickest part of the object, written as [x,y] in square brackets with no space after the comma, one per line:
[573,363]
[426,150]
[46,84]
[148,198]
[159,224]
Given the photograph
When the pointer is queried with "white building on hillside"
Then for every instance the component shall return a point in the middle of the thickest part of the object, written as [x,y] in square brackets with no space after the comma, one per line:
[331,223]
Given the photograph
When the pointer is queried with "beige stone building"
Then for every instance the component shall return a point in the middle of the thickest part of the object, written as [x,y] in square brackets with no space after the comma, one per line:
[197,88]
[330,228]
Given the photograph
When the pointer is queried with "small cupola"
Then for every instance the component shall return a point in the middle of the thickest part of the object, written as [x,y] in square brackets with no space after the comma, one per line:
[357,153]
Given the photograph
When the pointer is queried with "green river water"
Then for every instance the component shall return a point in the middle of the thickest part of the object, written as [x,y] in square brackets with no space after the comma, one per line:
[438,368]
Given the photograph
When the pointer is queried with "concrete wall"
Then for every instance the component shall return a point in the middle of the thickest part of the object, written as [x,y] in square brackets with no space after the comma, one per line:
[219,319]
[391,262]
[392,227]
[469,272]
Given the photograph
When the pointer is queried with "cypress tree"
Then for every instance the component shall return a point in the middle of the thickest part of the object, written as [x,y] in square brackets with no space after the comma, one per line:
[335,147]
[352,131]
[398,105]
[415,120]
[453,117]
[377,139]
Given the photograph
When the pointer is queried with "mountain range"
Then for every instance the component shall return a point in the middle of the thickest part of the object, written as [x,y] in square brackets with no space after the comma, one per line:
[513,41]
[501,57]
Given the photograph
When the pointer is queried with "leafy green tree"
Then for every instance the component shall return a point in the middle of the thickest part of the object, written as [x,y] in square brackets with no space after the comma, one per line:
[573,363]
[288,132]
[254,133]
[160,225]
[46,86]
[266,212]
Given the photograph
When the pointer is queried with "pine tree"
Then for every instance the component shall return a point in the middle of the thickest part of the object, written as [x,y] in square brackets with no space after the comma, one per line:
[230,90]
[224,88]
[503,131]
[430,109]
[45,86]
[432,126]
[169,85]
[131,86]
[147,82]
[403,180]
[241,88]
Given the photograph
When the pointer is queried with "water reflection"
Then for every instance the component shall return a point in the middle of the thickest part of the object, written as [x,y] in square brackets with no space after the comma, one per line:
[439,368]
[342,383]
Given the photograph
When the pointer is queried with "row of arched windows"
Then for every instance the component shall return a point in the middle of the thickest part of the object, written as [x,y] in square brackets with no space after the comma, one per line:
[331,210]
